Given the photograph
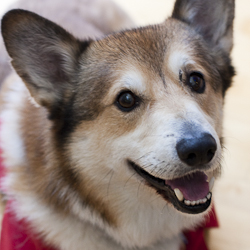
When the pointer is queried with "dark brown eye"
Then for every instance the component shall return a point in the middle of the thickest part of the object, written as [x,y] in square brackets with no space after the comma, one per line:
[196,82]
[127,101]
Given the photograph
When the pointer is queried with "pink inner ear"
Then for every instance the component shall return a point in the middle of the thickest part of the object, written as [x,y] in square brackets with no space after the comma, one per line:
[193,187]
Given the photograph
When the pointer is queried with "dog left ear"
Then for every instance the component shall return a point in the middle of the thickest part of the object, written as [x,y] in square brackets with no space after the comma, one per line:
[43,54]
[213,19]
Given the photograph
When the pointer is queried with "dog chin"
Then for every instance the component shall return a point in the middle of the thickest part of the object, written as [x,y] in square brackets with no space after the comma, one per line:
[189,194]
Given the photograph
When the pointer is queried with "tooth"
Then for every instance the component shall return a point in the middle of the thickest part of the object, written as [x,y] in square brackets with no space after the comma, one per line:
[193,203]
[209,196]
[207,178]
[211,184]
[187,202]
[179,194]
[204,200]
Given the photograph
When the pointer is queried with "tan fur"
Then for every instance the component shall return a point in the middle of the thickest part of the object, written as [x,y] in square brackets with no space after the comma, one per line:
[69,175]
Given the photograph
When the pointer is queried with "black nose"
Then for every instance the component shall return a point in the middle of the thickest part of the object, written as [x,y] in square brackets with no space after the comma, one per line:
[197,150]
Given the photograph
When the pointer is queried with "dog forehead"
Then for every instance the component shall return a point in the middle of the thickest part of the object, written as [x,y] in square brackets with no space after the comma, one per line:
[143,46]
[152,49]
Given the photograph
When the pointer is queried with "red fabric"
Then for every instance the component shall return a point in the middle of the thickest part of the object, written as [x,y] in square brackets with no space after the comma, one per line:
[16,234]
[195,239]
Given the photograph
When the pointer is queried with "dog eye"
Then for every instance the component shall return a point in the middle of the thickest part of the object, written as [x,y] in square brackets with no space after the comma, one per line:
[127,101]
[197,82]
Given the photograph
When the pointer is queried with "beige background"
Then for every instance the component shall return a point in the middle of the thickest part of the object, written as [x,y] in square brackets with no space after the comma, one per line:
[232,192]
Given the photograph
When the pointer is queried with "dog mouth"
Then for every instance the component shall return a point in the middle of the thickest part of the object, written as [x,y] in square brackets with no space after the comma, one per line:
[189,194]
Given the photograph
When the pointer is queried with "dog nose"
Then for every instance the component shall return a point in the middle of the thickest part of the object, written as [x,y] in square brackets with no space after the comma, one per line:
[197,150]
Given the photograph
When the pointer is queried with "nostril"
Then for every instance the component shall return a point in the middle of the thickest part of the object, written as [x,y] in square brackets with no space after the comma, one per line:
[191,159]
[191,156]
[210,154]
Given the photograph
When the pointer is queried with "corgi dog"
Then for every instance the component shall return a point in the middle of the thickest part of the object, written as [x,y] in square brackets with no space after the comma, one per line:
[114,142]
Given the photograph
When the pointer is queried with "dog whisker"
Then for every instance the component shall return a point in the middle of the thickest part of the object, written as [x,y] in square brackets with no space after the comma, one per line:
[138,188]
[163,208]
[143,156]
[110,171]
[129,179]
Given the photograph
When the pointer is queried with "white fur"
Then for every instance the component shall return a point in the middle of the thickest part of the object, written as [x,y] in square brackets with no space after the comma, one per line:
[180,58]
[11,142]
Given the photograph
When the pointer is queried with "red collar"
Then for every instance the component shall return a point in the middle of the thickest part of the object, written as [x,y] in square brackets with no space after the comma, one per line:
[16,235]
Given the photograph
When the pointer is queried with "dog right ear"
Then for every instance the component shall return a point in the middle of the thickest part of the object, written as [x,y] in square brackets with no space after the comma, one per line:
[43,54]
[212,19]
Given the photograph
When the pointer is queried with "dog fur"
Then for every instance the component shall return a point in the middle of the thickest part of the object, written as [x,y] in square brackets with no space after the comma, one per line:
[67,142]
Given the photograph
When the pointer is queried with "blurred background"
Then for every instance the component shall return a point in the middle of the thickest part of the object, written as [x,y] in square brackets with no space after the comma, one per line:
[232,191]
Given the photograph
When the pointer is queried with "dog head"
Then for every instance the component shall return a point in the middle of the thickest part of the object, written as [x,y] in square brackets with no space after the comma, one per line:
[141,106]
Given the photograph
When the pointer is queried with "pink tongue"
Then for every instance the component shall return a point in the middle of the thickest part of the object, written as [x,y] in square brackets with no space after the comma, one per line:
[193,187]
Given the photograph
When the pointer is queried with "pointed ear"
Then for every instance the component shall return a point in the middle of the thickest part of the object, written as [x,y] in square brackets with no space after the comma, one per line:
[213,19]
[43,54]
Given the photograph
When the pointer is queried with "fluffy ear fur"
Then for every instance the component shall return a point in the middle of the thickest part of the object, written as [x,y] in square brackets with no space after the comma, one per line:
[43,54]
[213,19]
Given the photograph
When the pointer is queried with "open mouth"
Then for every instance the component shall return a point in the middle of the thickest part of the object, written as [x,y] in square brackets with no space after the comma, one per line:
[189,194]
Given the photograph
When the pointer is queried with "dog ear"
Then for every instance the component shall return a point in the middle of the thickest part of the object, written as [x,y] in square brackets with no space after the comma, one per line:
[213,19]
[43,54]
